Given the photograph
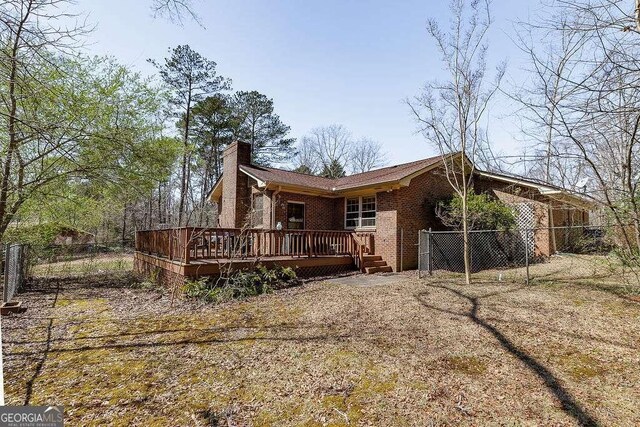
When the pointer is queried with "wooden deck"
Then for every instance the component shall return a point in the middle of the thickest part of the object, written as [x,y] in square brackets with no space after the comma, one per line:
[213,267]
[195,252]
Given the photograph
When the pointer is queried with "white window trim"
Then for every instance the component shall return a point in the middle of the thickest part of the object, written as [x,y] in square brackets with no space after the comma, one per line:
[358,226]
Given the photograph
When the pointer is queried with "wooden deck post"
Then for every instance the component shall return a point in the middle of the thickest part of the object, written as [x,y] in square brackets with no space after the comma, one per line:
[187,244]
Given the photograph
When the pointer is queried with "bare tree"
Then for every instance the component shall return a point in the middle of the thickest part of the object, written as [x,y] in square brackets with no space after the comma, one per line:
[174,10]
[596,115]
[332,151]
[450,112]
[305,160]
[366,154]
[330,144]
[552,58]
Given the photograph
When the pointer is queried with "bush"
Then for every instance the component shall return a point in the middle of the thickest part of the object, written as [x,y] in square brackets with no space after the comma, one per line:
[483,213]
[241,284]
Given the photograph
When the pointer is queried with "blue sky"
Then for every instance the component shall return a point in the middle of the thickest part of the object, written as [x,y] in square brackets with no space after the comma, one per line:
[323,62]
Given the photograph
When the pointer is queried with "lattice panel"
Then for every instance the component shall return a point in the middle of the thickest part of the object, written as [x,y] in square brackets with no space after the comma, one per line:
[526,222]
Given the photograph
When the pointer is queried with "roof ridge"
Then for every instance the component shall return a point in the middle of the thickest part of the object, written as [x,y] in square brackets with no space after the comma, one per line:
[287,170]
[346,176]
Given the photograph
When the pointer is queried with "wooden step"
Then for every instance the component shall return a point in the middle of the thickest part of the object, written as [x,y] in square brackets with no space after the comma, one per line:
[384,269]
[366,258]
[379,263]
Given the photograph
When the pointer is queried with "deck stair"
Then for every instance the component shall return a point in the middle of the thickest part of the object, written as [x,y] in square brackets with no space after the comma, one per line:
[375,264]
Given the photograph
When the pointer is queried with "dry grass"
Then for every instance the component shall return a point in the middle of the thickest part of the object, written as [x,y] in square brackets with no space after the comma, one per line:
[414,352]
[98,263]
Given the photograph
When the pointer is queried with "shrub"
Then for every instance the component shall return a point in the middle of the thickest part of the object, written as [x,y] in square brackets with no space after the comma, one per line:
[483,213]
[241,284]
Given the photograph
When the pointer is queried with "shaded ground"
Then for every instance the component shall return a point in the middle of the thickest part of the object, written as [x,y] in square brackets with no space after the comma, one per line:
[404,352]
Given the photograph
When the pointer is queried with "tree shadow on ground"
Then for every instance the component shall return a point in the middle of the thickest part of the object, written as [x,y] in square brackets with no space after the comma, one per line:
[568,403]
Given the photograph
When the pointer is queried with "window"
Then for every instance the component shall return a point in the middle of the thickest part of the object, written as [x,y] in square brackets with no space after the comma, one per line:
[256,210]
[360,212]
[368,210]
[295,216]
[353,212]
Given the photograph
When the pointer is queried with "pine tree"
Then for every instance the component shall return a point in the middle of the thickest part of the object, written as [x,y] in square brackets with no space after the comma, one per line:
[257,124]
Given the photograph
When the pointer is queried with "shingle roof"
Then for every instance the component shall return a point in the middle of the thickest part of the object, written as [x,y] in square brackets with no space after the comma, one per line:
[281,176]
[378,176]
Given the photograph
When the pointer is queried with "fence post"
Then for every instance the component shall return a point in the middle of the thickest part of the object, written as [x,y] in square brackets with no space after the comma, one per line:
[19,269]
[419,254]
[526,254]
[401,249]
[5,289]
[429,269]
[1,357]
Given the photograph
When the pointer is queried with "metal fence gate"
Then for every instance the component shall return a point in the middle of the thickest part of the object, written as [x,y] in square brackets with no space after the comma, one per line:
[15,270]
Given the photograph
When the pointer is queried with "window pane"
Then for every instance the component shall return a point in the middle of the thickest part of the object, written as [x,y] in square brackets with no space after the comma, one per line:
[368,203]
[368,212]
[352,214]
[368,222]
[256,211]
[257,202]
[295,216]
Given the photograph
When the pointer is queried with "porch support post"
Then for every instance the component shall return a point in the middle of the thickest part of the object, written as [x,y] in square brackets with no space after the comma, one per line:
[187,244]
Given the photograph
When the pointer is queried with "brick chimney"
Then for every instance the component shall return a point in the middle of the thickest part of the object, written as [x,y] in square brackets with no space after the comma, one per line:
[236,194]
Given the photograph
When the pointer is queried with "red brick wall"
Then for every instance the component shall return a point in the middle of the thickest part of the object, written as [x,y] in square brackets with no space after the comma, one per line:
[386,234]
[236,191]
[416,211]
[321,213]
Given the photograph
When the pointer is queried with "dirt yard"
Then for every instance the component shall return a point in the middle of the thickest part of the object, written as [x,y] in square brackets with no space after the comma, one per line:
[395,351]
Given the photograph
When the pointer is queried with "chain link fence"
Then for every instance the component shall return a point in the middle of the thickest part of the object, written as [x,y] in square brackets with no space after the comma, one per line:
[523,255]
[81,259]
[15,270]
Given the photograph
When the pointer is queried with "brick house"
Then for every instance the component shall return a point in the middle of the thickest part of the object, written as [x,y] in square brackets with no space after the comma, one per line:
[391,203]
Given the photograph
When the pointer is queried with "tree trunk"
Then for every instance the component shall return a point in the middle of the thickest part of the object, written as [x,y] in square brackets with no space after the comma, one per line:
[5,216]
[124,225]
[185,157]
[465,232]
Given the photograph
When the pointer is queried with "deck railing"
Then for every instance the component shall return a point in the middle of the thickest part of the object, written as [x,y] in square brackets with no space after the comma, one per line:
[188,244]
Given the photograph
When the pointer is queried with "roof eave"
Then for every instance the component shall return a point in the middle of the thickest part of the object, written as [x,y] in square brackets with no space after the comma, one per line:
[545,190]
[216,191]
